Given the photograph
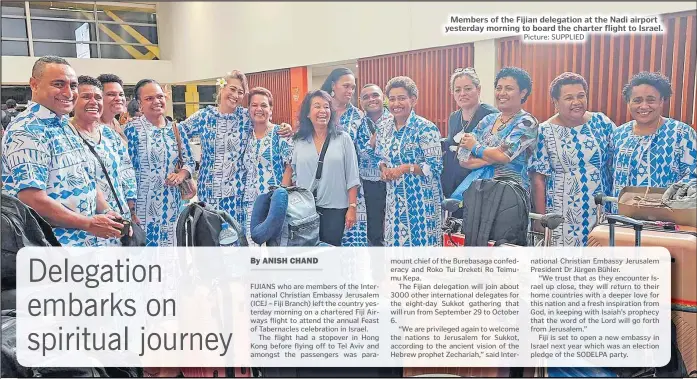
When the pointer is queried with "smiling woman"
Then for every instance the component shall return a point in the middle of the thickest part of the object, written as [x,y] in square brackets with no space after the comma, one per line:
[336,188]
[225,131]
[465,87]
[341,85]
[155,152]
[572,161]
[108,146]
[500,144]
[651,150]
[267,154]
[409,146]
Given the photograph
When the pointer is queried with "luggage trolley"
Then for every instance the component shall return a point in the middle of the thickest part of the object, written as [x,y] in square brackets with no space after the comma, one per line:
[681,242]
[452,226]
[549,221]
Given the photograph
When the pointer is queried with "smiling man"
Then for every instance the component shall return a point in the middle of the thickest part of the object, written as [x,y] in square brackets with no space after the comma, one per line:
[114,102]
[45,165]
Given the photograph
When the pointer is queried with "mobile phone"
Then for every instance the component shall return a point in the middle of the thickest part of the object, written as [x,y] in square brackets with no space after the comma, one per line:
[126,228]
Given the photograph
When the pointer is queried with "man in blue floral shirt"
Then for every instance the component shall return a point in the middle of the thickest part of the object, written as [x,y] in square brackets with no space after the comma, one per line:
[46,166]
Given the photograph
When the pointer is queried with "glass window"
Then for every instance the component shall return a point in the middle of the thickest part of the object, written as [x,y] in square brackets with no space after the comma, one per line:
[128,91]
[14,27]
[15,48]
[63,49]
[143,16]
[62,30]
[75,27]
[179,112]
[14,8]
[178,94]
[118,33]
[207,94]
[56,9]
[126,52]
[21,94]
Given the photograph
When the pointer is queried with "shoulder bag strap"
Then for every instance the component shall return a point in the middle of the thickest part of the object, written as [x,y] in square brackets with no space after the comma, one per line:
[175,128]
[320,165]
[371,124]
[106,173]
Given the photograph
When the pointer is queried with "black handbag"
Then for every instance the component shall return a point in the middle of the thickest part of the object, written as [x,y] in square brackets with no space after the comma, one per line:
[138,237]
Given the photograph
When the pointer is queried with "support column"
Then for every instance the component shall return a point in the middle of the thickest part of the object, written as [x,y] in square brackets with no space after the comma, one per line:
[169,110]
[191,96]
[485,62]
[298,89]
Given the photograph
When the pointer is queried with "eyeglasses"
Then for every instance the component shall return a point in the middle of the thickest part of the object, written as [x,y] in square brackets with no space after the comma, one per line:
[465,70]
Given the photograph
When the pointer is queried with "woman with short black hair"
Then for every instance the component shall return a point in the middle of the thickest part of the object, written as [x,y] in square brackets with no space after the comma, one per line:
[572,161]
[411,165]
[652,150]
[502,141]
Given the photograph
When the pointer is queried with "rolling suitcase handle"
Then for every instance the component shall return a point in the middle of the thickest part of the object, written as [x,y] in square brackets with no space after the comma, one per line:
[451,206]
[549,221]
[636,224]
[600,201]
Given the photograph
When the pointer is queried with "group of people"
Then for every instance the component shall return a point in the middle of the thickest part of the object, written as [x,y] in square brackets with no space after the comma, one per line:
[577,153]
[383,169]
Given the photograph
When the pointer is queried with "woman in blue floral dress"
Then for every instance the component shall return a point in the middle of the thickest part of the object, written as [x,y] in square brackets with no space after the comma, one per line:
[651,150]
[409,146]
[267,154]
[572,161]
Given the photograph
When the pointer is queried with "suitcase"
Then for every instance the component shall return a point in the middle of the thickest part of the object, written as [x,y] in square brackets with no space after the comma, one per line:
[682,245]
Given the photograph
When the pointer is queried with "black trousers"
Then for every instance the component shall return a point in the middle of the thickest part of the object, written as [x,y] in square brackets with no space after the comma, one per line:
[331,225]
[375,203]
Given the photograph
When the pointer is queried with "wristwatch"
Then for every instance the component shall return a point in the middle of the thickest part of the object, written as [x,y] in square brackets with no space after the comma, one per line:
[352,205]
[411,168]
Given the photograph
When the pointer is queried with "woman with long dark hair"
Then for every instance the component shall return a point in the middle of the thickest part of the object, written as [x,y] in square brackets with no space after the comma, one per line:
[341,85]
[337,188]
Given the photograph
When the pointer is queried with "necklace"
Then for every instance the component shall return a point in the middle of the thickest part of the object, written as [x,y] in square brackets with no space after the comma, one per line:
[643,131]
[94,136]
[466,124]
[266,131]
[503,123]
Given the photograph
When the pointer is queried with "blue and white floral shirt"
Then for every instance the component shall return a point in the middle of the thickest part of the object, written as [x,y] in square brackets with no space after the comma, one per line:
[41,151]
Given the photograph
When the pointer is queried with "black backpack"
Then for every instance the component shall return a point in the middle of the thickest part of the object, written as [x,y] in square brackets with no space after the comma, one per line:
[495,210]
[10,367]
[21,226]
[199,225]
